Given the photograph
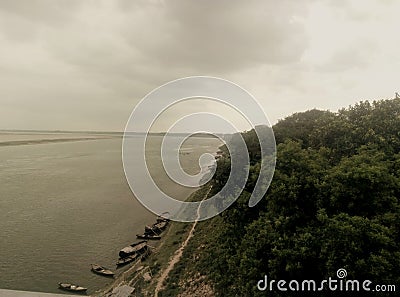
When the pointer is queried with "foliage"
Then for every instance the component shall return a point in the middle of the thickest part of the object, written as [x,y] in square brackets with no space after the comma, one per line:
[333,203]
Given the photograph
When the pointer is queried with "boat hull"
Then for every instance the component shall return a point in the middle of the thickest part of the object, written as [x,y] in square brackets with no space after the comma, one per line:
[72,288]
[148,237]
[127,260]
[97,269]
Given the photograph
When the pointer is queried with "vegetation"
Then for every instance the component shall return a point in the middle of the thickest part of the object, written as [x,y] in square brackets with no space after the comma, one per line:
[333,203]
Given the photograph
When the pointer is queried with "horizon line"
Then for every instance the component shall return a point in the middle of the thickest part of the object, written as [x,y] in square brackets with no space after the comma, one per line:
[101,132]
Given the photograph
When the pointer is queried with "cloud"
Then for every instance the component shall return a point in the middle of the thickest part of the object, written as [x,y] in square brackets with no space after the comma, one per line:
[21,20]
[71,64]
[220,36]
[356,56]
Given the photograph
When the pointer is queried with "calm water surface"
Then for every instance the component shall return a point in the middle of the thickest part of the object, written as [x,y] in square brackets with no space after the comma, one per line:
[66,205]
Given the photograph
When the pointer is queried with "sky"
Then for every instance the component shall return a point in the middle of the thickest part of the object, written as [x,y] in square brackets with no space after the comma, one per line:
[85,64]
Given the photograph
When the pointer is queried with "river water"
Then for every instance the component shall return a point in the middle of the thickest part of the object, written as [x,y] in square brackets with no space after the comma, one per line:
[65,205]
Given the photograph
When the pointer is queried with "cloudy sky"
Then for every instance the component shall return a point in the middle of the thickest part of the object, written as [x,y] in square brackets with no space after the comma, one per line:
[83,65]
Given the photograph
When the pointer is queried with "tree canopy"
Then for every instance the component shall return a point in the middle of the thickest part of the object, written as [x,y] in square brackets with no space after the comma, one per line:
[333,203]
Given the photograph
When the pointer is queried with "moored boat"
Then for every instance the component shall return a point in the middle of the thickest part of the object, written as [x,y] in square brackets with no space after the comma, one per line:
[127,260]
[164,217]
[72,287]
[148,236]
[136,248]
[102,270]
[156,228]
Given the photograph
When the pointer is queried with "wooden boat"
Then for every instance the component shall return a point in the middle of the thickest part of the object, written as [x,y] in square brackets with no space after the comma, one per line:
[150,230]
[127,260]
[156,228]
[71,287]
[164,217]
[136,248]
[148,236]
[102,270]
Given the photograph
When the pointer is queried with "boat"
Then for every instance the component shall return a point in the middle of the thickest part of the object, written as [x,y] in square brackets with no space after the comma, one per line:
[127,260]
[164,217]
[102,270]
[156,228]
[150,230]
[71,287]
[148,236]
[135,248]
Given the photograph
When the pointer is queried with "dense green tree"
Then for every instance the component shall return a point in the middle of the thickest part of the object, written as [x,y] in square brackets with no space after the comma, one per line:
[333,203]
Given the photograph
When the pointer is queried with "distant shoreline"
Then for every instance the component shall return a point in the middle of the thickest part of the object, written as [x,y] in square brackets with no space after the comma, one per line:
[46,141]
[70,136]
[110,133]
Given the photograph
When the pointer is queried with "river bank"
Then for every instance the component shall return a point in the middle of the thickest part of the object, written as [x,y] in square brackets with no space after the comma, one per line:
[148,277]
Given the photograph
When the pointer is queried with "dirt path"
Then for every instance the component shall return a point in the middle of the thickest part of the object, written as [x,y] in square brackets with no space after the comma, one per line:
[178,254]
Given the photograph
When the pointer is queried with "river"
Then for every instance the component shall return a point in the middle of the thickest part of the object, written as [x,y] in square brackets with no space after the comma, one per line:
[66,204]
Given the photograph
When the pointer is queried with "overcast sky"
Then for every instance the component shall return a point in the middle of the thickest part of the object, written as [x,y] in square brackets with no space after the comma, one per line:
[83,65]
